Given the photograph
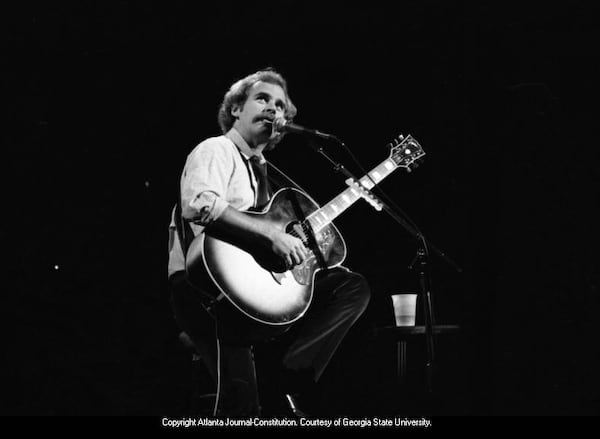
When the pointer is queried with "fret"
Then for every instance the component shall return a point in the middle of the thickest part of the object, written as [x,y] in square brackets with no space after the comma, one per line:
[366,182]
[326,214]
[381,171]
[389,165]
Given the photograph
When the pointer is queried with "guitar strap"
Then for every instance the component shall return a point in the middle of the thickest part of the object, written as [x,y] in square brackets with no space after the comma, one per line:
[184,231]
[278,183]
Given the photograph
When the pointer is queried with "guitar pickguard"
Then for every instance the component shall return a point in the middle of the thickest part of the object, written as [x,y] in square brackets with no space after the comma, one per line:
[303,273]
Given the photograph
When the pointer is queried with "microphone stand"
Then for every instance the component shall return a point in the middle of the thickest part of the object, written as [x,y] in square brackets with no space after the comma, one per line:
[421,260]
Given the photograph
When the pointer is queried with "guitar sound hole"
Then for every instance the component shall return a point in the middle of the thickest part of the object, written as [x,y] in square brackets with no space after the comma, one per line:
[295,229]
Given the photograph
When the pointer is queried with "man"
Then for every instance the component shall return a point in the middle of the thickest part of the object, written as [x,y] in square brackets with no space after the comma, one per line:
[222,178]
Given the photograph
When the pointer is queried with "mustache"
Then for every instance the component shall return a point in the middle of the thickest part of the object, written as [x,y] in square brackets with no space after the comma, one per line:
[262,117]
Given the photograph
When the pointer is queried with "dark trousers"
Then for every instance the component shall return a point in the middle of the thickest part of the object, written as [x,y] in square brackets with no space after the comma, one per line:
[339,298]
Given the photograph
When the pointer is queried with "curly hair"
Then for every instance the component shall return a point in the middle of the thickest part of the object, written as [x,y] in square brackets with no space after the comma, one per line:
[238,93]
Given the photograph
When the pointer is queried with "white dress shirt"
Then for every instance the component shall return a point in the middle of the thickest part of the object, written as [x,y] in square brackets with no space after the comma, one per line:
[216,175]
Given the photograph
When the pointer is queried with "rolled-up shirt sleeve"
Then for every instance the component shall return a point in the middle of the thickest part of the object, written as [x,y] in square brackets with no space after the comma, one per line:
[204,182]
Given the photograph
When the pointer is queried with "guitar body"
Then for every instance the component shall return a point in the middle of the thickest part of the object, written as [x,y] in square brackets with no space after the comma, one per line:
[253,280]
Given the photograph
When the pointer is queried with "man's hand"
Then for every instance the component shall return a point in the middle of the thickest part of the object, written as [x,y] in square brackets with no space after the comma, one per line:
[289,248]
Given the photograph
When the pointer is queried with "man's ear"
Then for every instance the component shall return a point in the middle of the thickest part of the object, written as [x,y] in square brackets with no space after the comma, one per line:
[235,110]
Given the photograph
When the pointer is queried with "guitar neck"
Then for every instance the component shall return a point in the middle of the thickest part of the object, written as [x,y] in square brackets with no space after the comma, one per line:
[326,214]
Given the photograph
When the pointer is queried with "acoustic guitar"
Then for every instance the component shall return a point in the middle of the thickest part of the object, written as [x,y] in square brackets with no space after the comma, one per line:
[258,284]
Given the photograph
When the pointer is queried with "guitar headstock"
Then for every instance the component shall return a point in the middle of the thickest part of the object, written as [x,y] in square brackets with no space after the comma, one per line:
[406,151]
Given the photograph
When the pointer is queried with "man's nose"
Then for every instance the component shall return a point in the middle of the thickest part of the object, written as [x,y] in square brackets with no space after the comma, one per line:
[270,106]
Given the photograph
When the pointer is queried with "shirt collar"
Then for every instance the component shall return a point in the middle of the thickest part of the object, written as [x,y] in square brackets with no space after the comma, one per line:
[247,152]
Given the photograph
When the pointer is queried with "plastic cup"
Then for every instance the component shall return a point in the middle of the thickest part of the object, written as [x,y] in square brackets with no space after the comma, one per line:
[405,308]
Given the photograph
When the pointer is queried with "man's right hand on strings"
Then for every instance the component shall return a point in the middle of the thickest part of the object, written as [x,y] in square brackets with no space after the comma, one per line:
[289,248]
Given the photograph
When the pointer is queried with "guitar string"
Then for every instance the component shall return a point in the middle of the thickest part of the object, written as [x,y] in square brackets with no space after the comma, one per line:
[305,239]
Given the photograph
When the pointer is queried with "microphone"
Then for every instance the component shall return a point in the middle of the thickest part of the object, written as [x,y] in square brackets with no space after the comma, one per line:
[283,126]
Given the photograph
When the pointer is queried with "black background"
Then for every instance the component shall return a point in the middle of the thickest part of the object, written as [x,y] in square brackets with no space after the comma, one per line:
[105,101]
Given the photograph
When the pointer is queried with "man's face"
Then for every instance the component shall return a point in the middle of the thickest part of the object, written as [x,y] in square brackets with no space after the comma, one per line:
[265,101]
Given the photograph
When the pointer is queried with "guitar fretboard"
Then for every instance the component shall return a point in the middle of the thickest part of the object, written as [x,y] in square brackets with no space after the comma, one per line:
[326,214]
